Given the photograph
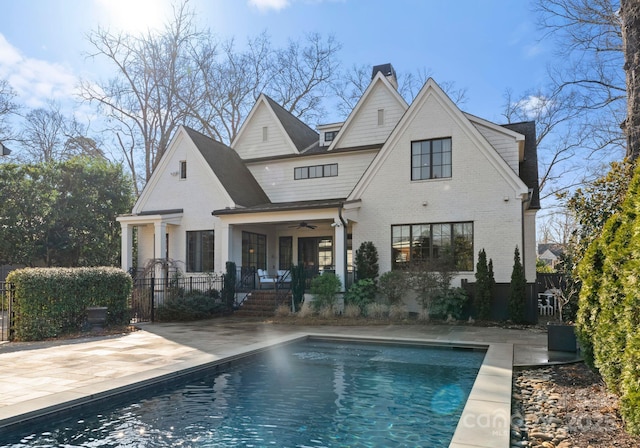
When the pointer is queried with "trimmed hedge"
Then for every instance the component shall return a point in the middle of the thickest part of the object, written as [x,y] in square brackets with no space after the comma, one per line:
[50,302]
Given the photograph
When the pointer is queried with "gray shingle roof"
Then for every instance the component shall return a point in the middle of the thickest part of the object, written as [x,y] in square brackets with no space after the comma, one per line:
[283,206]
[230,170]
[529,166]
[301,134]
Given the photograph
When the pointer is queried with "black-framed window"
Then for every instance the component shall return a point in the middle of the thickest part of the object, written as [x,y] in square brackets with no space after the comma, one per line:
[315,171]
[200,249]
[285,252]
[183,169]
[431,159]
[421,243]
[254,250]
[329,136]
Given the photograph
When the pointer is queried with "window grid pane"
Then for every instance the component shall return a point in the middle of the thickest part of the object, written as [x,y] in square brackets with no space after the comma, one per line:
[431,159]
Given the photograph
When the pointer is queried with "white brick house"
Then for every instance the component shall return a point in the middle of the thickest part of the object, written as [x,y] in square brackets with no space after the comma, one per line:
[416,180]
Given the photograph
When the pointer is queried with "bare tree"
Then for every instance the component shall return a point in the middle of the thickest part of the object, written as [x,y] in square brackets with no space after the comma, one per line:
[8,108]
[47,135]
[141,102]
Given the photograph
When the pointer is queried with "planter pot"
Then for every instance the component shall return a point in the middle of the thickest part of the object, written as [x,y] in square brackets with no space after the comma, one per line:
[561,338]
[96,316]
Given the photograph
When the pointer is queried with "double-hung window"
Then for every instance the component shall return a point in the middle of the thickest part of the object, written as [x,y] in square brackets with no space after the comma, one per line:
[431,159]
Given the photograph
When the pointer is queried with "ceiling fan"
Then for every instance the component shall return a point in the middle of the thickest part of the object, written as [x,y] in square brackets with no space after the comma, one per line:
[304,224]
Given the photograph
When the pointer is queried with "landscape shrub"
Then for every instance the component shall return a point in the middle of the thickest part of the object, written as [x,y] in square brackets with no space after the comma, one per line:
[297,286]
[449,303]
[192,306]
[50,302]
[324,289]
[398,312]
[361,293]
[229,285]
[377,311]
[392,285]
[351,310]
[367,261]
[483,287]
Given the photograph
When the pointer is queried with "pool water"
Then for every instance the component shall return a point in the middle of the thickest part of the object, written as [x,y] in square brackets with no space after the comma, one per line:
[309,394]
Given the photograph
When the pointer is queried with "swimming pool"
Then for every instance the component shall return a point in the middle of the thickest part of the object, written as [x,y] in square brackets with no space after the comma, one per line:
[314,393]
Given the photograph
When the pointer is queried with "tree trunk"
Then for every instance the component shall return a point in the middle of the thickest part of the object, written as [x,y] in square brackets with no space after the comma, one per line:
[630,16]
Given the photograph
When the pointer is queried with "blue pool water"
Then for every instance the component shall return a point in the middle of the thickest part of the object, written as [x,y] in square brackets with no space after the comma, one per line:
[309,394]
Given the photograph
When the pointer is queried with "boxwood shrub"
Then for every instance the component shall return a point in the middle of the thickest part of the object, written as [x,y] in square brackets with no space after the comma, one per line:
[51,302]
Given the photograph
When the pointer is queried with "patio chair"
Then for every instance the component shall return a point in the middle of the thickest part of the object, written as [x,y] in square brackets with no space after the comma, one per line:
[265,279]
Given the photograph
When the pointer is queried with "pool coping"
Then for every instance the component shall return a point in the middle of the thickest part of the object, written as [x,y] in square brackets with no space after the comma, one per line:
[485,419]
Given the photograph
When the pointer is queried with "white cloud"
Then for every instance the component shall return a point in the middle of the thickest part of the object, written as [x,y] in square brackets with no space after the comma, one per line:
[534,106]
[35,80]
[265,5]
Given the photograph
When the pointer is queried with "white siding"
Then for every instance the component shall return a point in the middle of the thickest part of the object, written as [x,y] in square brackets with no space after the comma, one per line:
[276,177]
[250,145]
[198,195]
[476,192]
[363,128]
[506,145]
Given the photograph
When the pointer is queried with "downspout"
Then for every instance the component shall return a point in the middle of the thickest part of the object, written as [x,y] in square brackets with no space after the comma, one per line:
[525,205]
[344,236]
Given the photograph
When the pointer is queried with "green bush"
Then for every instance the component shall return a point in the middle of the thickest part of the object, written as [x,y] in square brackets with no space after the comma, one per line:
[51,302]
[193,306]
[393,285]
[367,261]
[229,288]
[324,289]
[450,302]
[361,293]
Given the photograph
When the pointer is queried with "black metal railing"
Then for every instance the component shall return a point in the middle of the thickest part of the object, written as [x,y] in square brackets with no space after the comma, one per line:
[6,312]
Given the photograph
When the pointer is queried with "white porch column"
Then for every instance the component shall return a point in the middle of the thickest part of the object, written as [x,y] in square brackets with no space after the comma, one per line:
[223,246]
[126,246]
[340,251]
[160,243]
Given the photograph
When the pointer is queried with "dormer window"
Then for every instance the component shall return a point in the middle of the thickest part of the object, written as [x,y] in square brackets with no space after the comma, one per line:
[183,169]
[329,136]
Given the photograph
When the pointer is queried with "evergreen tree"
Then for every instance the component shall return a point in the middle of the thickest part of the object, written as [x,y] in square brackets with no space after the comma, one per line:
[517,292]
[367,261]
[483,287]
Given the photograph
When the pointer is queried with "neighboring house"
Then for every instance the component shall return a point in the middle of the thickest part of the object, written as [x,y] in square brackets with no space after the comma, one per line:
[550,253]
[417,180]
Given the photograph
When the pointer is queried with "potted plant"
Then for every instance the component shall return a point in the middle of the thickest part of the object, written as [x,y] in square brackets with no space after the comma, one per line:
[561,335]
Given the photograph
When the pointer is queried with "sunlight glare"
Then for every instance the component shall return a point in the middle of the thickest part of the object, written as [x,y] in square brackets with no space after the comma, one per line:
[134,16]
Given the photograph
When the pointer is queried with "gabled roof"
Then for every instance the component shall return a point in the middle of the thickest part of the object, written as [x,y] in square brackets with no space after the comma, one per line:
[379,78]
[300,134]
[529,165]
[297,132]
[431,89]
[230,170]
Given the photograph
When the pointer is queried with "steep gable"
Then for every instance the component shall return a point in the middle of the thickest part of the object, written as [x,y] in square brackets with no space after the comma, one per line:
[430,113]
[374,117]
[232,173]
[270,130]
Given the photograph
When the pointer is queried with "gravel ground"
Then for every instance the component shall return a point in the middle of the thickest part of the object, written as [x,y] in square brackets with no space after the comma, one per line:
[564,407]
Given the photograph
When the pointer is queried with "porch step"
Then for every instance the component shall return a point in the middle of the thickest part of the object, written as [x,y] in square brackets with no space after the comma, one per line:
[263,303]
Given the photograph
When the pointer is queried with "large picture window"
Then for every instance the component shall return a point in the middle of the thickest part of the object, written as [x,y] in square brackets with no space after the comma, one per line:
[200,246]
[254,250]
[431,159]
[433,243]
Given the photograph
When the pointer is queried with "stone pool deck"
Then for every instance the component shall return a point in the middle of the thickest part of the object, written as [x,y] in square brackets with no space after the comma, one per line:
[51,375]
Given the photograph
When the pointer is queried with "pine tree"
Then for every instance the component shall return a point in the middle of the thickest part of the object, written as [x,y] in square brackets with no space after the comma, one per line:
[518,289]
[483,290]
[367,261]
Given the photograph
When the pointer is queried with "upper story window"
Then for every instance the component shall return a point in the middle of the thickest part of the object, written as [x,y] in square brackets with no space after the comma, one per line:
[329,136]
[265,133]
[183,169]
[315,171]
[431,159]
[380,117]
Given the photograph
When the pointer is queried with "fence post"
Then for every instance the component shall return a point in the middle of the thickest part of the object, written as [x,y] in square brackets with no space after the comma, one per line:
[10,312]
[153,294]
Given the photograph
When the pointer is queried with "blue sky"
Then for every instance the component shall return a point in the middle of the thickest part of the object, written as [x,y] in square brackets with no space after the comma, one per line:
[483,46]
